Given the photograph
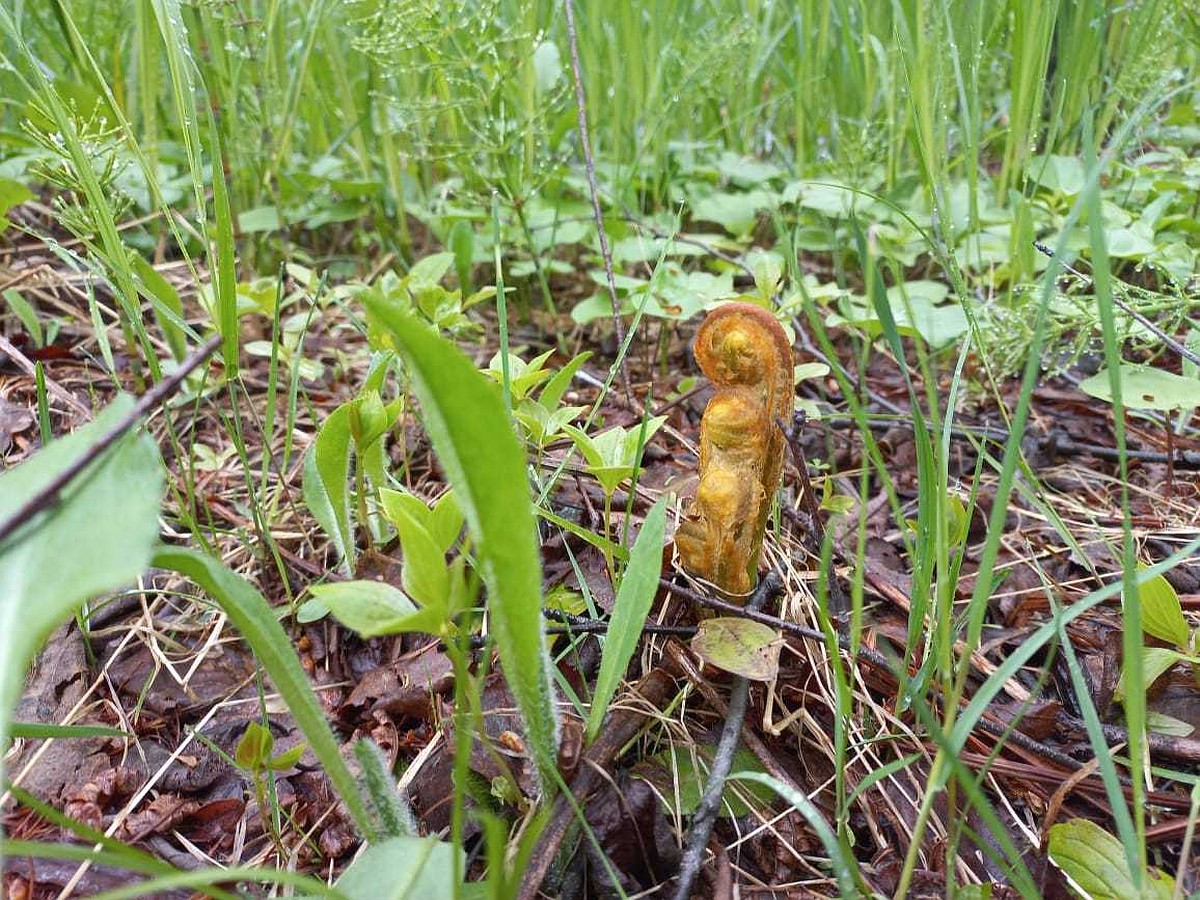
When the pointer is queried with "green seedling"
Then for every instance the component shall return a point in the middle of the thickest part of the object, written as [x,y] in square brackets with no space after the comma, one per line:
[541,418]
[421,292]
[255,756]
[612,457]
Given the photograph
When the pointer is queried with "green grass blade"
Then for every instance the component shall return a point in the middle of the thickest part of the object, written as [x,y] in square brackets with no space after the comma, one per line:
[842,867]
[224,275]
[257,623]
[634,597]
[484,463]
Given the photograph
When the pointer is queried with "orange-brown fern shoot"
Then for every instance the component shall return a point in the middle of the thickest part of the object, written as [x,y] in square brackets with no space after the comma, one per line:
[744,351]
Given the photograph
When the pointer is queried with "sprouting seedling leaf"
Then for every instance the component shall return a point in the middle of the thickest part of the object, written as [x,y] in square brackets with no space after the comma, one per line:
[373,608]
[613,455]
[485,464]
[741,646]
[326,472]
[1162,613]
[253,750]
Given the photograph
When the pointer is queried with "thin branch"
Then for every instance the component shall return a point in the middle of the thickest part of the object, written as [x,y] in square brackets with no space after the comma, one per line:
[594,190]
[149,401]
[1054,443]
[1146,323]
[710,805]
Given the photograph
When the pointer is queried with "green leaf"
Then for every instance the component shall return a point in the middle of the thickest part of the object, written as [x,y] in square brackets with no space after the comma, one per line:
[1156,661]
[260,219]
[1094,863]
[445,521]
[1162,613]
[12,193]
[253,617]
[254,747]
[557,385]
[224,276]
[1060,174]
[372,608]
[736,213]
[740,646]
[484,463]
[97,537]
[326,471]
[287,759]
[1145,387]
[429,271]
[634,596]
[403,868]
[425,576]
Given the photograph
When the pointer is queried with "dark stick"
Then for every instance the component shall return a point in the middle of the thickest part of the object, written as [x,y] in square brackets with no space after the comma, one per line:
[706,813]
[594,190]
[583,625]
[151,399]
[809,496]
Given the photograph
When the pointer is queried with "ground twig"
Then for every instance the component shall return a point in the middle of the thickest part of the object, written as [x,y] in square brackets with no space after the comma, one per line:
[710,805]
[150,400]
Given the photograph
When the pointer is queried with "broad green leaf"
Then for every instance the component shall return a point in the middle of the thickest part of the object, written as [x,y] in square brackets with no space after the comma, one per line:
[372,608]
[12,193]
[429,271]
[403,868]
[1094,863]
[485,465]
[98,536]
[424,576]
[259,626]
[1145,387]
[634,597]
[1060,174]
[1162,613]
[1164,724]
[740,646]
[326,471]
[809,370]
[253,749]
[260,219]
[557,385]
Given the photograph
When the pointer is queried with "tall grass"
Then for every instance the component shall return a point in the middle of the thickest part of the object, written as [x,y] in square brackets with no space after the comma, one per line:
[408,95]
